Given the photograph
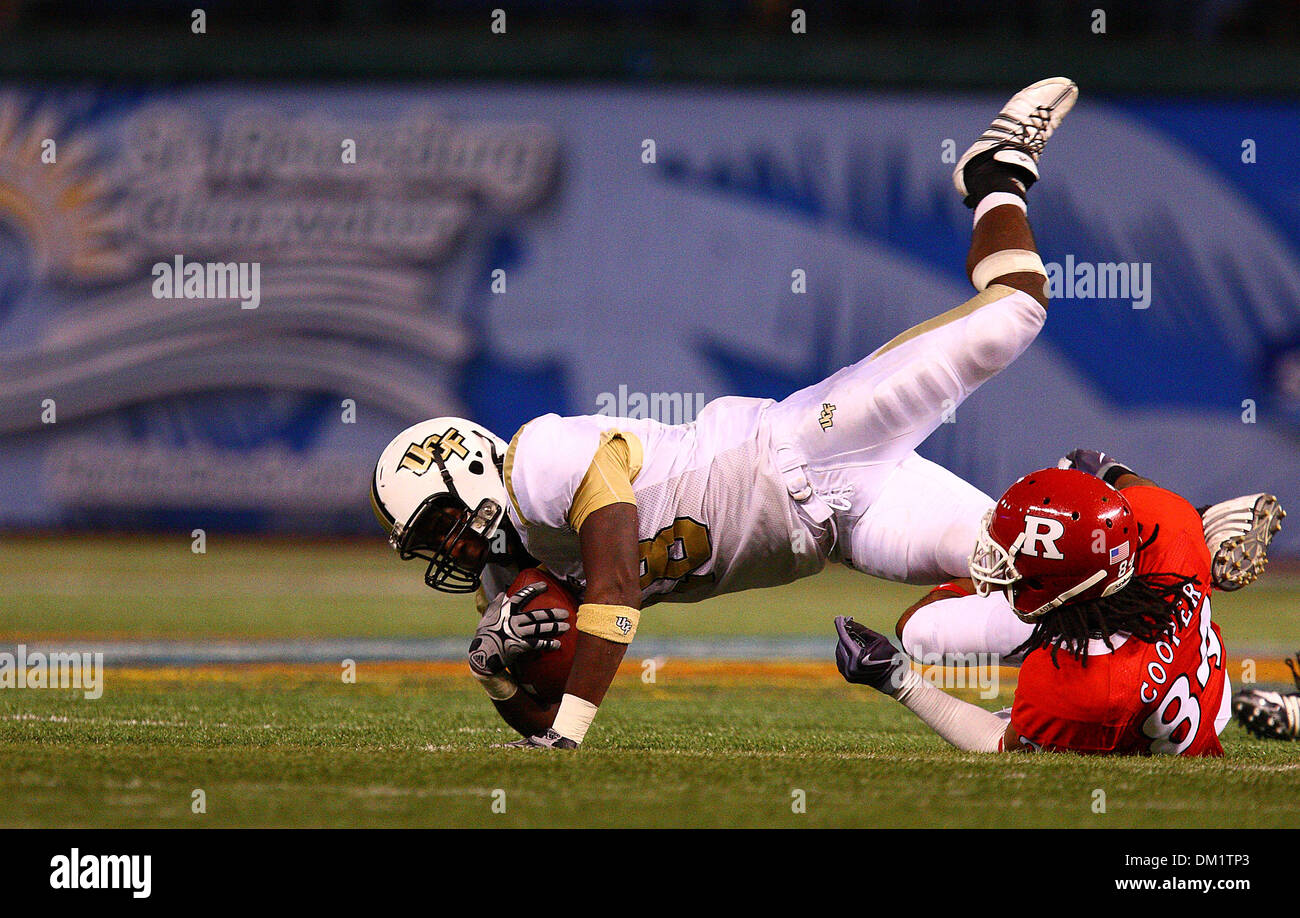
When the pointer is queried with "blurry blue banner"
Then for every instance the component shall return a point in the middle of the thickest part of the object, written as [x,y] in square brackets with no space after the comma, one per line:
[217,305]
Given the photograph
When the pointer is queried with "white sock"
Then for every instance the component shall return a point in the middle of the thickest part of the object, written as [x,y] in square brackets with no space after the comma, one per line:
[574,717]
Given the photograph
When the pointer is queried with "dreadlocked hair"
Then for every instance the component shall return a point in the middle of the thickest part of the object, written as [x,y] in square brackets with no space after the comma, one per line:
[1144,609]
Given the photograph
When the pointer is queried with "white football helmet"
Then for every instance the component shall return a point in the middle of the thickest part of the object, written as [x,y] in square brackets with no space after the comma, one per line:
[438,490]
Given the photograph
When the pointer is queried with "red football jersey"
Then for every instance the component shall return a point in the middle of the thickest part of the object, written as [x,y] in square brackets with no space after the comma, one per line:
[1140,698]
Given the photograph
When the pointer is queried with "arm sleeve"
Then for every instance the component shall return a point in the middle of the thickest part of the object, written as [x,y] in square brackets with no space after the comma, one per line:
[965,625]
[609,477]
[965,725]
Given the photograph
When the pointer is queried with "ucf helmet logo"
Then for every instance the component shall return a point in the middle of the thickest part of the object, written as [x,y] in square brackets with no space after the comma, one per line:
[419,457]
[1041,533]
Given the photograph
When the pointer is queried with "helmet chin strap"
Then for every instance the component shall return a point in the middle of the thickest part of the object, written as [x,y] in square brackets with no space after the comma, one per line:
[395,535]
[499,461]
[446,475]
[1066,596]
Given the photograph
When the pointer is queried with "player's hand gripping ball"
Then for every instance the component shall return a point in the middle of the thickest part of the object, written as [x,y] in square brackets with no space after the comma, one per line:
[517,623]
[542,672]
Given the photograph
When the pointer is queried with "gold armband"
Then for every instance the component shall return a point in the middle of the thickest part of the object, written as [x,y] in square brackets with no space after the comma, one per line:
[613,623]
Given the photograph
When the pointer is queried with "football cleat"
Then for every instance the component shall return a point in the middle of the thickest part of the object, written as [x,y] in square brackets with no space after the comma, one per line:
[1268,715]
[1017,135]
[1238,532]
[547,740]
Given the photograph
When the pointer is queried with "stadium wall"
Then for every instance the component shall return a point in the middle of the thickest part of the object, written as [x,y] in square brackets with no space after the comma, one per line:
[502,251]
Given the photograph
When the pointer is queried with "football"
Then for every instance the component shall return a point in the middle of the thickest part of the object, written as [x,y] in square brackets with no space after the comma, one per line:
[542,674]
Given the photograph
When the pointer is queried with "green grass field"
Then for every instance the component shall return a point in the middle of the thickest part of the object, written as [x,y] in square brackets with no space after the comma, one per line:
[408,744]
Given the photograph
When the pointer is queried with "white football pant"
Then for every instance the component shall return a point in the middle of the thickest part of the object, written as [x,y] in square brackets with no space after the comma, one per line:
[852,439]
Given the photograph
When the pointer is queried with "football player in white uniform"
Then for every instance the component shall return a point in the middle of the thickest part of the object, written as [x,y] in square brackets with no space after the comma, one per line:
[753,493]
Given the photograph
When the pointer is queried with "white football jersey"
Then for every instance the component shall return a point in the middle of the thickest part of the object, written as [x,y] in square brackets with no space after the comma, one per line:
[714,514]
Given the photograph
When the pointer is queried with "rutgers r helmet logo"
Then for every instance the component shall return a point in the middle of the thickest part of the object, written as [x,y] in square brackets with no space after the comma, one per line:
[1042,531]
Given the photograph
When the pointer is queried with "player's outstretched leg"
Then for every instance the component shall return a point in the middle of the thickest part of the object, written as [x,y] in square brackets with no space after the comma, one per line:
[924,374]
[840,441]
[993,176]
[876,412]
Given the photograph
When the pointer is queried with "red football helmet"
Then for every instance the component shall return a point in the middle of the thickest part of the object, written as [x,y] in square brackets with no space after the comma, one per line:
[1056,536]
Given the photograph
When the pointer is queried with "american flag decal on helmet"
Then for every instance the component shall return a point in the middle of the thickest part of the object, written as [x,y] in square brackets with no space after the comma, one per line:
[1118,553]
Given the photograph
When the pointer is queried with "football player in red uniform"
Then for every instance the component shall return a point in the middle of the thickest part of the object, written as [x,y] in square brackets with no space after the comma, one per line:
[1111,577]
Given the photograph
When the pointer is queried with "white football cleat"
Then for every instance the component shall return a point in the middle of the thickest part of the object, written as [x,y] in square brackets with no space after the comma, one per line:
[1020,130]
[1238,532]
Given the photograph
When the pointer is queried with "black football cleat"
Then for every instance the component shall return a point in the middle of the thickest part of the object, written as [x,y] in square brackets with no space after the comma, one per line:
[1268,715]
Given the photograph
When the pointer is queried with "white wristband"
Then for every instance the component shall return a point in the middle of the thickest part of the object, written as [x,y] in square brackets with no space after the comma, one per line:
[499,687]
[997,199]
[574,717]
